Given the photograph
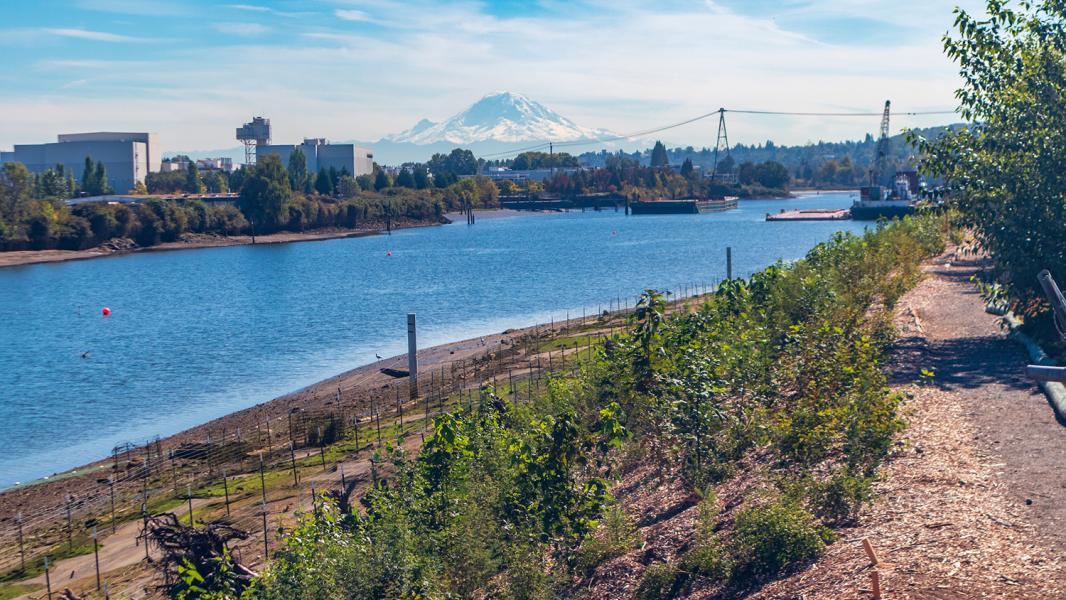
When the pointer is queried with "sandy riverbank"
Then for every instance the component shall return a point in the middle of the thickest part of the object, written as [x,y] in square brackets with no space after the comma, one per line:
[358,386]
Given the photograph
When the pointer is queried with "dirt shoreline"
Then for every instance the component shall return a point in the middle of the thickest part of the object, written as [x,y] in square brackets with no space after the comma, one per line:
[363,382]
[18,258]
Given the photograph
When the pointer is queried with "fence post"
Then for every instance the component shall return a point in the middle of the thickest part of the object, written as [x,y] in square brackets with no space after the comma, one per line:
[188,496]
[96,555]
[266,537]
[70,531]
[225,489]
[111,489]
[292,455]
[47,579]
[262,479]
[728,262]
[22,548]
[144,514]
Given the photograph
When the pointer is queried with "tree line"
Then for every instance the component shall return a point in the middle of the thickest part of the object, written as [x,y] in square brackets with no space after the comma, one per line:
[34,213]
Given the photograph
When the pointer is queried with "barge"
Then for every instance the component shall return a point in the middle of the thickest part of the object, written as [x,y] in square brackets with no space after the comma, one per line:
[688,206]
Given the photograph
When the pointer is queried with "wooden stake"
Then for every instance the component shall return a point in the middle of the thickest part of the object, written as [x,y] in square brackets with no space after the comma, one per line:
[868,547]
[875,584]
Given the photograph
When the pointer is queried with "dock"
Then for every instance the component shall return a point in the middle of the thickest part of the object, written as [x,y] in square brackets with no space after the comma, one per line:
[811,214]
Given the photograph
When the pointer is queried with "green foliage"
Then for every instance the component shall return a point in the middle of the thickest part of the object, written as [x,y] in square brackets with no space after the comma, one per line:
[660,580]
[193,183]
[297,170]
[1006,170]
[449,167]
[265,194]
[767,539]
[221,583]
[323,183]
[542,160]
[615,536]
[504,499]
[658,156]
[707,557]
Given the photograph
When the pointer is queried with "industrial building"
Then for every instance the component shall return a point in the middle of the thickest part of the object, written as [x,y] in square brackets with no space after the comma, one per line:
[223,164]
[321,154]
[128,156]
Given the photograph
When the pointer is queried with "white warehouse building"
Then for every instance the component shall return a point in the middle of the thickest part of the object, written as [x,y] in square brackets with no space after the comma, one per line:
[320,154]
[128,156]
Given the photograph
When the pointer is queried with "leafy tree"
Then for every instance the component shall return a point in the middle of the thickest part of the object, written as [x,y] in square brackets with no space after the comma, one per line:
[88,177]
[727,164]
[94,178]
[347,187]
[772,174]
[421,178]
[193,183]
[297,170]
[381,180]
[1006,170]
[323,185]
[405,179]
[458,162]
[15,193]
[265,194]
[659,157]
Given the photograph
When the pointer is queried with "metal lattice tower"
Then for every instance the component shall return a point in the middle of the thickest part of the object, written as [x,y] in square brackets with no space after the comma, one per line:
[722,143]
[877,172]
[253,134]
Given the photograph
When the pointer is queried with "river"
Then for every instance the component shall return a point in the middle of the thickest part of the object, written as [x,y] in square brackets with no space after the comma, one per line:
[196,334]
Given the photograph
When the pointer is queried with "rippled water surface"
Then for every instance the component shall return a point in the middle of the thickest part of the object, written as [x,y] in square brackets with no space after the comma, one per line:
[196,334]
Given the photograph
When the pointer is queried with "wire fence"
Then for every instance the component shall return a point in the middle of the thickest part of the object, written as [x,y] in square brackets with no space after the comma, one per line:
[161,475]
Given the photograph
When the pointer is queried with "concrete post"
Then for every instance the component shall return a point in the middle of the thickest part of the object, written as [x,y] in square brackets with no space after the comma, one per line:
[412,355]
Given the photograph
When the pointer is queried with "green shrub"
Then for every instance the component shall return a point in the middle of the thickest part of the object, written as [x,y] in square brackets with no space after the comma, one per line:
[839,499]
[661,580]
[766,539]
[706,557]
[615,536]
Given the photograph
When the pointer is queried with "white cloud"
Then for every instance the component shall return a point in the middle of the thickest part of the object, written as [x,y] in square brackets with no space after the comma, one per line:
[154,8]
[96,36]
[624,66]
[242,29]
[351,15]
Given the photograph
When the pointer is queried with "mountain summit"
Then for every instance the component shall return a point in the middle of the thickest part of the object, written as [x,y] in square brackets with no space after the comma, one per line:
[500,117]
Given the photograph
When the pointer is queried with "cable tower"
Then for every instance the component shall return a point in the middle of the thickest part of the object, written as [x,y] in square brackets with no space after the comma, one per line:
[722,143]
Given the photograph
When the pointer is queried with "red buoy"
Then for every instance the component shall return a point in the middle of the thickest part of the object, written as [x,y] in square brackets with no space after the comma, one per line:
[106,311]
[389,253]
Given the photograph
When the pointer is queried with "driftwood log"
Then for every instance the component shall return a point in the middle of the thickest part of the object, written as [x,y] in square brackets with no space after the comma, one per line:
[202,547]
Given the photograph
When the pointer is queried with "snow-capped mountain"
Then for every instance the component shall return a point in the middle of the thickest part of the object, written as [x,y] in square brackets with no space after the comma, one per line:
[500,117]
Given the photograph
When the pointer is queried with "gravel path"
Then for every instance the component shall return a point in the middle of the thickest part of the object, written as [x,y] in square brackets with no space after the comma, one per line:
[974,497]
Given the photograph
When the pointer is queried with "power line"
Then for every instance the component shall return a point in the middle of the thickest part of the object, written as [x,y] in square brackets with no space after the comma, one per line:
[711,114]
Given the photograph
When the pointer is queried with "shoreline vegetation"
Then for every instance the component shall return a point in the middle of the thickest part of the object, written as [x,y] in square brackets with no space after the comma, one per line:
[640,392]
[274,198]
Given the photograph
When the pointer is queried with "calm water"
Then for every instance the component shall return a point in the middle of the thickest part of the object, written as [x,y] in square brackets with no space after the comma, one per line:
[196,334]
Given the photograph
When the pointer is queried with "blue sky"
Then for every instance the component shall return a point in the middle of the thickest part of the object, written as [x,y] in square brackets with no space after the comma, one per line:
[193,70]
